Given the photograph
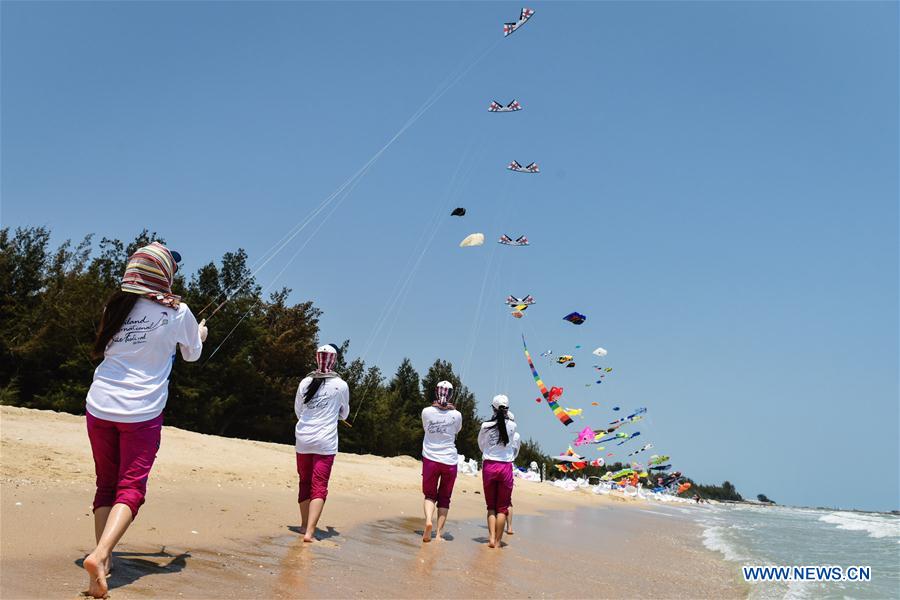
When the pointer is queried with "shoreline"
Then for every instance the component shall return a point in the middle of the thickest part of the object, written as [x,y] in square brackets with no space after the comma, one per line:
[218,506]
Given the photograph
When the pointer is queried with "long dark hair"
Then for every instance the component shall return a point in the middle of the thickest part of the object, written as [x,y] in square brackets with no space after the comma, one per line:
[116,310]
[500,424]
[313,387]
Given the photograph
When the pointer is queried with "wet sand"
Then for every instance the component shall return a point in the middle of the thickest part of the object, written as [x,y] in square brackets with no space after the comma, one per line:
[220,512]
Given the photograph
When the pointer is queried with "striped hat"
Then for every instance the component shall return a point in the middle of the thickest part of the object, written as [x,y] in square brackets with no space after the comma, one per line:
[149,272]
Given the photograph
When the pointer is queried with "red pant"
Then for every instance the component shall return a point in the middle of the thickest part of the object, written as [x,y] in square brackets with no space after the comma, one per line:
[497,478]
[123,456]
[432,472]
[314,471]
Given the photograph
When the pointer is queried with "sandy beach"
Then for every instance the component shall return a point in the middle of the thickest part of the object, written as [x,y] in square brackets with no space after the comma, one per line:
[221,515]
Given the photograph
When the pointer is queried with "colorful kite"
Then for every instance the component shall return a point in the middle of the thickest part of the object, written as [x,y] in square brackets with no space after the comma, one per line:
[574,412]
[564,358]
[499,108]
[575,318]
[585,436]
[563,417]
[528,300]
[629,438]
[508,28]
[657,459]
[529,168]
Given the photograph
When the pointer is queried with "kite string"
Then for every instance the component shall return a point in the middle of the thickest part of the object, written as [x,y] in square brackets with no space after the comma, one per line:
[399,295]
[439,92]
[412,263]
[442,216]
[478,310]
[281,272]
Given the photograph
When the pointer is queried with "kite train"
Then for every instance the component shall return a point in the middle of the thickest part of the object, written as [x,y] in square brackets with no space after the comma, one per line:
[511,107]
[529,168]
[508,241]
[508,28]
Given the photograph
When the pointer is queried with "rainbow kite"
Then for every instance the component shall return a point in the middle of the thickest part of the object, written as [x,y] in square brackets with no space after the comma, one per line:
[563,417]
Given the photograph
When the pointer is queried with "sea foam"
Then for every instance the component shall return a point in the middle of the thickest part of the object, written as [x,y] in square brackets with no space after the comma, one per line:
[877,526]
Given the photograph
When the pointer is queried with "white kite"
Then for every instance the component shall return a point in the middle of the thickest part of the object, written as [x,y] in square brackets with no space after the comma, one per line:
[475,239]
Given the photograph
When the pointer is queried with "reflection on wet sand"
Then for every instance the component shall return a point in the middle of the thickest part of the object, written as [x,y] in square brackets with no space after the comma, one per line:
[387,558]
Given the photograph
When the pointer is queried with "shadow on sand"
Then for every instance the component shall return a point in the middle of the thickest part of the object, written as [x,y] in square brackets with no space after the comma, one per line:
[128,567]
[321,534]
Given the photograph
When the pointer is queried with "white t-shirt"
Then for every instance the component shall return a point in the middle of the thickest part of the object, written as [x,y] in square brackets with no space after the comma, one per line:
[441,427]
[317,420]
[492,448]
[132,383]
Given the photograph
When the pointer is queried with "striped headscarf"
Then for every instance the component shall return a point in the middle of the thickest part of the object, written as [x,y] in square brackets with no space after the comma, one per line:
[149,272]
[443,395]
[326,358]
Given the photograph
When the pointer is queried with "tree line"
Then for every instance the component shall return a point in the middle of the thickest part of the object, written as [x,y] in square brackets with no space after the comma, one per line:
[50,307]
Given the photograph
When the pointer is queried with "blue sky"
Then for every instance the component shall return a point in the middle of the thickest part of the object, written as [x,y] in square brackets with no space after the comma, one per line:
[718,195]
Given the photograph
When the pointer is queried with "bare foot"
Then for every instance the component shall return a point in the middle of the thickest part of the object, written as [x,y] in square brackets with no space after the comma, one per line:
[309,538]
[426,535]
[302,530]
[509,532]
[492,544]
[439,536]
[96,569]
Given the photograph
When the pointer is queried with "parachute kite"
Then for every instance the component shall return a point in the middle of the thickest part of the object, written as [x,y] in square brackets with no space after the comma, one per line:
[602,440]
[530,168]
[508,28]
[564,418]
[599,352]
[661,468]
[475,239]
[511,107]
[570,365]
[508,241]
[585,436]
[656,459]
[683,487]
[575,318]
[569,456]
[564,358]
[616,407]
[622,473]
[574,412]
[458,212]
[629,438]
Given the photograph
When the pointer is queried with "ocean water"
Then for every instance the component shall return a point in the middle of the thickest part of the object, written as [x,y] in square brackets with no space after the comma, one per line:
[758,535]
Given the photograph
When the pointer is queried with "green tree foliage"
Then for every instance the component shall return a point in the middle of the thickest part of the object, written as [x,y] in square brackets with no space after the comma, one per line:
[50,307]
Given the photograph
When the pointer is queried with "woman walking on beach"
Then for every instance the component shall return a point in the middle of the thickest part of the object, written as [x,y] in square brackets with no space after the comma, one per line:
[499,443]
[323,399]
[441,422]
[141,326]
